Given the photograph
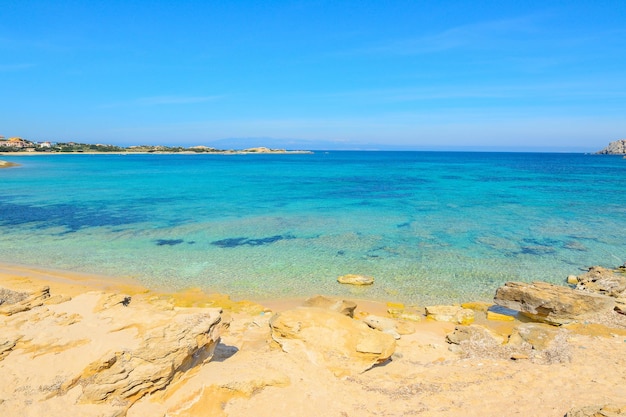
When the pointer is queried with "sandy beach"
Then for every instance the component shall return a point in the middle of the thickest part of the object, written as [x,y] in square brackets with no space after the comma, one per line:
[93,346]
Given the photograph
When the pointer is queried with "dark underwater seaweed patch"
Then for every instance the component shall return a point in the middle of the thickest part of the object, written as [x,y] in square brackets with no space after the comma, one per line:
[537,250]
[72,217]
[234,242]
[168,242]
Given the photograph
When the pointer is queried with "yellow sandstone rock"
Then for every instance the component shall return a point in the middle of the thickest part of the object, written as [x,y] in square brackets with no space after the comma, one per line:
[399,311]
[452,314]
[491,315]
[395,306]
[343,345]
[345,307]
[477,306]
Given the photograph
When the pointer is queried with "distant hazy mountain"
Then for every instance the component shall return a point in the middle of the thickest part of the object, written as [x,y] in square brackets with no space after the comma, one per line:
[289,144]
[304,144]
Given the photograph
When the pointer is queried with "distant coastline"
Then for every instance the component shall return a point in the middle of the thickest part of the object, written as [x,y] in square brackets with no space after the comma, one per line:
[19,146]
[131,152]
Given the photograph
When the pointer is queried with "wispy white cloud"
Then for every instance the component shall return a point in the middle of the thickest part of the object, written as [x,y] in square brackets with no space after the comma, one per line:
[164,100]
[15,67]
[478,35]
[591,88]
[151,101]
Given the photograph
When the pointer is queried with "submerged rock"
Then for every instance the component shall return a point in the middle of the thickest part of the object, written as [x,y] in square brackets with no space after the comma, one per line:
[550,303]
[354,279]
[343,345]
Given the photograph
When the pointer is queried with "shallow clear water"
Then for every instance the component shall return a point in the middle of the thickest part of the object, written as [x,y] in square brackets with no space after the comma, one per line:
[429,226]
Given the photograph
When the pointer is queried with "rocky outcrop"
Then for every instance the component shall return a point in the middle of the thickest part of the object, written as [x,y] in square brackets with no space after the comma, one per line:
[537,342]
[550,303]
[617,147]
[96,353]
[343,345]
[24,303]
[354,279]
[187,341]
[602,281]
[11,297]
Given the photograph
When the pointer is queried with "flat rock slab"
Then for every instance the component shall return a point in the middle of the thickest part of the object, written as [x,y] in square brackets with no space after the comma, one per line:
[550,303]
[538,335]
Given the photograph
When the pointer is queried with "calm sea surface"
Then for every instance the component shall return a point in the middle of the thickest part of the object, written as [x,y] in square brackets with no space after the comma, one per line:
[428,226]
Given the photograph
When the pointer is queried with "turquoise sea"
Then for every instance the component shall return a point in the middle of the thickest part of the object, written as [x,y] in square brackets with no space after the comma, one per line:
[430,227]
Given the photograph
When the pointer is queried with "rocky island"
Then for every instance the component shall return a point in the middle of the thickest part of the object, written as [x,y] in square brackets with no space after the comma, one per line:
[81,345]
[617,147]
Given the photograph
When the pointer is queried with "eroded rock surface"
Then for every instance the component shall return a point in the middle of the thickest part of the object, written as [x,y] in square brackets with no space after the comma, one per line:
[474,334]
[344,345]
[602,281]
[452,314]
[539,336]
[551,303]
[395,328]
[345,307]
[17,303]
[95,352]
[166,351]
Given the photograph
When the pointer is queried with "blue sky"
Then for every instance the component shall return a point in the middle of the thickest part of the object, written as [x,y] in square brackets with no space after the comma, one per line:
[322,74]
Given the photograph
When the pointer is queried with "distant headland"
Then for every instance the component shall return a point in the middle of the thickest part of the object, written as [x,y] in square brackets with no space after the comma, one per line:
[20,145]
[617,147]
